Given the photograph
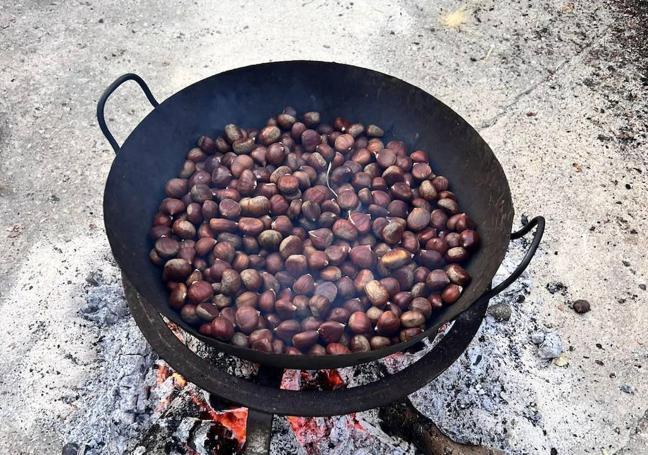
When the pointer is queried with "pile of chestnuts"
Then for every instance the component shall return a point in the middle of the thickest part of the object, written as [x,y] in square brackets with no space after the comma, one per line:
[303,237]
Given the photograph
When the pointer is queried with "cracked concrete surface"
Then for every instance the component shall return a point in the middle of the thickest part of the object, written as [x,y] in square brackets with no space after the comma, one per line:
[557,88]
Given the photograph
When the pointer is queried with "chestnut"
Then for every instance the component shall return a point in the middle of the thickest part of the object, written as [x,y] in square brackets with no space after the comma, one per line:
[167,247]
[331,331]
[418,219]
[304,340]
[327,290]
[412,318]
[339,314]
[396,258]
[199,291]
[178,296]
[207,311]
[457,274]
[281,237]
[359,343]
[337,349]
[451,293]
[222,328]
[176,270]
[377,294]
[240,339]
[379,342]
[437,280]
[247,319]
[422,305]
[388,324]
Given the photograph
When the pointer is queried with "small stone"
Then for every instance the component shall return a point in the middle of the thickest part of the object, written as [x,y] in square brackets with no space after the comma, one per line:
[626,388]
[500,311]
[72,448]
[581,306]
[642,287]
[537,337]
[551,346]
[561,361]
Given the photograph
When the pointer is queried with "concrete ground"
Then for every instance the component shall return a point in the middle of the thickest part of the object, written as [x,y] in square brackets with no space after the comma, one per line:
[557,88]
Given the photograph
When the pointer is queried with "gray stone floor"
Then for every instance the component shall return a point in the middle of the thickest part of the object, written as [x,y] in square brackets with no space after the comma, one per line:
[557,88]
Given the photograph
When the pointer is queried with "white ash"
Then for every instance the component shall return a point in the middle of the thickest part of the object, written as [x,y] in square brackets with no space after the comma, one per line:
[497,393]
[75,365]
[358,434]
[283,439]
[550,347]
[186,429]
[344,439]
[125,358]
[500,311]
[388,444]
[537,337]
[95,394]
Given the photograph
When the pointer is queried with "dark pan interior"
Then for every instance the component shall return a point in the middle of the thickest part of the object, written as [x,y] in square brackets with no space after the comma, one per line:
[155,150]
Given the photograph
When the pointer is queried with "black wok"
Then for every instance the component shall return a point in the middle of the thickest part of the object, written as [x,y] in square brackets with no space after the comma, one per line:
[155,151]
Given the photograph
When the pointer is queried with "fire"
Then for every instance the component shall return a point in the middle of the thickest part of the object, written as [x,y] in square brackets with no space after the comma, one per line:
[311,431]
[334,379]
[353,421]
[179,380]
[320,380]
[162,372]
[233,420]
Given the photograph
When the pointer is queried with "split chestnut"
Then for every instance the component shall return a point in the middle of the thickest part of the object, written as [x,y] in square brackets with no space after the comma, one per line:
[307,238]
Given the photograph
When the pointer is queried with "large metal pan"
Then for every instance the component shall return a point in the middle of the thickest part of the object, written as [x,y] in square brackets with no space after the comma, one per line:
[155,150]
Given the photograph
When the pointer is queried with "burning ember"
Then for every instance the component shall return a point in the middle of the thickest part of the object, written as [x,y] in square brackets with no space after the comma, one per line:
[227,424]
[214,431]
[189,420]
[311,431]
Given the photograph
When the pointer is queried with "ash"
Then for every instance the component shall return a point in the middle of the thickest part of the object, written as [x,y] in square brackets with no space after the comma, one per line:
[358,434]
[105,394]
[119,389]
[489,397]
[495,393]
[492,396]
[77,364]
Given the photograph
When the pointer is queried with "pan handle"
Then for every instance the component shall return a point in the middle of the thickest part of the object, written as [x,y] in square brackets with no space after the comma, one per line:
[537,237]
[102,103]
